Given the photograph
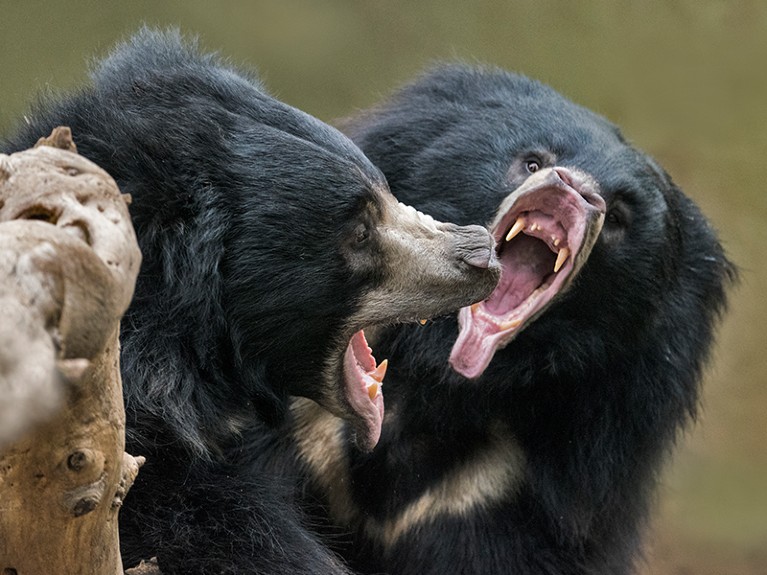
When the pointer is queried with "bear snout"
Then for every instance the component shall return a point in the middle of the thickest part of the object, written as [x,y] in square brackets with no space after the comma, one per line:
[475,246]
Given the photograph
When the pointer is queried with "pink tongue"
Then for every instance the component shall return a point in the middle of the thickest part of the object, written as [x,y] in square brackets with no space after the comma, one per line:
[477,340]
[524,268]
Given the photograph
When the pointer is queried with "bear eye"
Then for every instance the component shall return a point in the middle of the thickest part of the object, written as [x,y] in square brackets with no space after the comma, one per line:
[361,234]
[532,165]
[613,218]
[618,214]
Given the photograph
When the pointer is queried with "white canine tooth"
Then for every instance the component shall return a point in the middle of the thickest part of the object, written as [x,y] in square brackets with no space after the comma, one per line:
[556,241]
[518,226]
[422,321]
[562,256]
[380,371]
[511,324]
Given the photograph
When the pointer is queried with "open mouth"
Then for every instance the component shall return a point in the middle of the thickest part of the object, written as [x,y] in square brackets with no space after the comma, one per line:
[544,233]
[363,379]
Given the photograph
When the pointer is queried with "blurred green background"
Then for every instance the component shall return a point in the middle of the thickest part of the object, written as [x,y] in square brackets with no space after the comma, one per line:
[686,80]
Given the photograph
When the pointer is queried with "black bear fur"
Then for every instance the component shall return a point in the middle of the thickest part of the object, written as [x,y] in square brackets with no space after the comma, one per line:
[546,463]
[264,240]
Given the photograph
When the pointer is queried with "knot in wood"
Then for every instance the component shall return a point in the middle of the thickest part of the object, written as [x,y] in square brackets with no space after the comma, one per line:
[85,505]
[78,460]
[85,498]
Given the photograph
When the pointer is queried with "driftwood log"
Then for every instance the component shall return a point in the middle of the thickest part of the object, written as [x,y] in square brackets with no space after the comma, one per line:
[68,265]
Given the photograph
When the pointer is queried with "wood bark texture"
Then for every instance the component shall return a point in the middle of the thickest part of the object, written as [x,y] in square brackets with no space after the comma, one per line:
[68,265]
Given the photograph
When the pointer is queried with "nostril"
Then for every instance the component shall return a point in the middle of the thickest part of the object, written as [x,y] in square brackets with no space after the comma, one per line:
[565,175]
[477,248]
[479,257]
[593,198]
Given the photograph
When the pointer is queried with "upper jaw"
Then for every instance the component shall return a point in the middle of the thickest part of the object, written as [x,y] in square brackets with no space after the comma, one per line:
[545,231]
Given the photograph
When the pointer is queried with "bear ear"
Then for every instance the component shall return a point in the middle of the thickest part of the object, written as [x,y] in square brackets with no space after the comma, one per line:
[696,297]
[705,270]
[661,173]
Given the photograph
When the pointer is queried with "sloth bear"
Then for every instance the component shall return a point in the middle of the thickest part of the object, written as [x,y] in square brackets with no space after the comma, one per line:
[269,242]
[525,434]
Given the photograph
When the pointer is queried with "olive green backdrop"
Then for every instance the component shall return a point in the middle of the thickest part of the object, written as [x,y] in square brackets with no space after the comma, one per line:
[686,80]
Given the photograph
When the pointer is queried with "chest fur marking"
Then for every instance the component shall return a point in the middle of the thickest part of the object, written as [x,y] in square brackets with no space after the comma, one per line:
[490,475]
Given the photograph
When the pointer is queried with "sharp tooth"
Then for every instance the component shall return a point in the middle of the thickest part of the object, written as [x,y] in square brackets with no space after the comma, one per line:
[556,242]
[562,256]
[380,371]
[518,226]
[372,391]
[511,324]
[422,321]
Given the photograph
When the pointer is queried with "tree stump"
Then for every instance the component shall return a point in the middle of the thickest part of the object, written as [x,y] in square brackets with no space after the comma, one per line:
[68,265]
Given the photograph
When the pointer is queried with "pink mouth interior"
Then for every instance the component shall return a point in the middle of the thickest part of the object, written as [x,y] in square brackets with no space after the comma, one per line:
[363,380]
[526,262]
[550,224]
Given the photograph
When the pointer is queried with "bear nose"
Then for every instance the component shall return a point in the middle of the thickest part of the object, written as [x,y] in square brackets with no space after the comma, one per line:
[564,174]
[475,246]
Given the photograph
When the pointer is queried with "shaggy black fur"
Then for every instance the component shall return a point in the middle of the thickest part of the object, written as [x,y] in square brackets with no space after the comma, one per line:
[226,182]
[257,225]
[592,394]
